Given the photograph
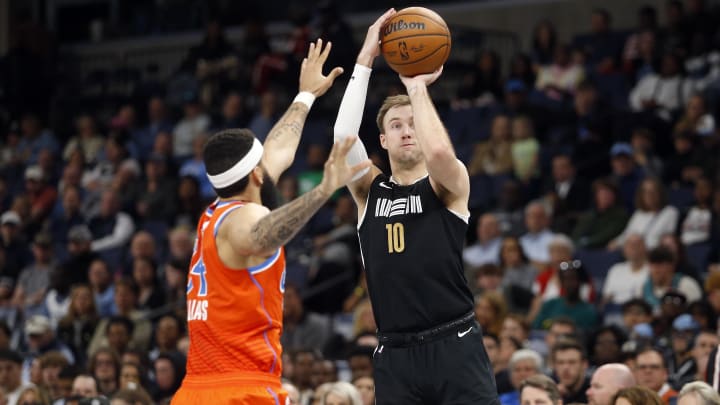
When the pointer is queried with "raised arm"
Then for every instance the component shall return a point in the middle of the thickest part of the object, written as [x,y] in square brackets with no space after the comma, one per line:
[448,175]
[352,107]
[283,140]
[261,232]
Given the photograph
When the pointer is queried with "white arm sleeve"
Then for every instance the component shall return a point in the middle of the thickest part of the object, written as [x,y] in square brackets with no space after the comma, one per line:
[350,115]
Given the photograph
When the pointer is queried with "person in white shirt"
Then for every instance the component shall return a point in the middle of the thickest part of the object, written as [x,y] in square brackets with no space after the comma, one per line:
[696,226]
[663,278]
[653,217]
[487,248]
[625,280]
[536,241]
[193,124]
[662,93]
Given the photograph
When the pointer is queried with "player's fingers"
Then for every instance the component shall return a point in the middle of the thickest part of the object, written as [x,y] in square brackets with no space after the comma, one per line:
[347,144]
[303,64]
[311,50]
[360,167]
[325,52]
[335,73]
[318,47]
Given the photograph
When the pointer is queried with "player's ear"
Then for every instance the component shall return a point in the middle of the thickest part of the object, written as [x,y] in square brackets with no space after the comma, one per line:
[383,141]
[257,175]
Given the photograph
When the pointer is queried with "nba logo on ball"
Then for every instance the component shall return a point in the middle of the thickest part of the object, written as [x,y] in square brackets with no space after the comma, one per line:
[414,41]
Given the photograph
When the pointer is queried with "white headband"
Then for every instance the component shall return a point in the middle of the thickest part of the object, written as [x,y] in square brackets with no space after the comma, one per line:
[240,169]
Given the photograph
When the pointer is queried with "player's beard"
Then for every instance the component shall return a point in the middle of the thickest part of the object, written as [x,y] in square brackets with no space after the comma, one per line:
[268,192]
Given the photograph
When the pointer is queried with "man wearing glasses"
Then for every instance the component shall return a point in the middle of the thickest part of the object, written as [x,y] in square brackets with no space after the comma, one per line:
[651,372]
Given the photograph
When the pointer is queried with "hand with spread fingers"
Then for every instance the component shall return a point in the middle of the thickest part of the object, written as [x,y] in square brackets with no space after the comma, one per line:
[311,76]
[337,172]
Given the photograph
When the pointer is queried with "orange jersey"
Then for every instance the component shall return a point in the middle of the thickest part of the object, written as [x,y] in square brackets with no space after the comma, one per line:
[234,316]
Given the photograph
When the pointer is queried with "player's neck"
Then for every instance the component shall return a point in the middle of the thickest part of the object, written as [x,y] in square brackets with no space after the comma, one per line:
[406,175]
[246,196]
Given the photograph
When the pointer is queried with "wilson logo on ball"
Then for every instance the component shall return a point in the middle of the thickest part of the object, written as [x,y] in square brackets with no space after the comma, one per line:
[401,25]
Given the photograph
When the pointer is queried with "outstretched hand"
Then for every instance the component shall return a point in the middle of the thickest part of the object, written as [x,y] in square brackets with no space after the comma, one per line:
[311,76]
[371,47]
[424,79]
[337,172]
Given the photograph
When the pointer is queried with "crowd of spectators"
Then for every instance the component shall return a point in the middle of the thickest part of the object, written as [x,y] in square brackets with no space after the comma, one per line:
[593,248]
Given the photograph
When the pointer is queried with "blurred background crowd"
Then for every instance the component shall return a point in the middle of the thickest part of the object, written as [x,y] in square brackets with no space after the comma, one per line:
[595,167]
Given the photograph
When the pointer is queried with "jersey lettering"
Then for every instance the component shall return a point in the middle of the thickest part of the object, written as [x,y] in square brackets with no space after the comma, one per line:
[400,206]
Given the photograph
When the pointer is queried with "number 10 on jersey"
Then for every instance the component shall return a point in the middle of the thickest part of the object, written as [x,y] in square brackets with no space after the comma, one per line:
[395,237]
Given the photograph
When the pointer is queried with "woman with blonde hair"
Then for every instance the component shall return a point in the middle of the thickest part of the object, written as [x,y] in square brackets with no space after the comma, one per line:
[76,328]
[342,393]
[363,318]
[636,396]
[490,311]
[34,395]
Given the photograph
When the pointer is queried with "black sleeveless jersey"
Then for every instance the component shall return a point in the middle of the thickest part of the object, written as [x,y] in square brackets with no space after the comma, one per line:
[412,251]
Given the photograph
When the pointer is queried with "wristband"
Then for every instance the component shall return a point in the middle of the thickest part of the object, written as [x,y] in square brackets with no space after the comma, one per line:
[306,98]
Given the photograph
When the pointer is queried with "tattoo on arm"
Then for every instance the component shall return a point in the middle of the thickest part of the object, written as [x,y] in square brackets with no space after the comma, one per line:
[290,125]
[280,225]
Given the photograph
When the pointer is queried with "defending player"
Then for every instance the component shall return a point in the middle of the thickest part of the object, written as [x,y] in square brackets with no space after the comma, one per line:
[412,227]
[237,273]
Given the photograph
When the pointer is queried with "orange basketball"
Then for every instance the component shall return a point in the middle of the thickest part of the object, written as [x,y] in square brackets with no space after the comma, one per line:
[414,41]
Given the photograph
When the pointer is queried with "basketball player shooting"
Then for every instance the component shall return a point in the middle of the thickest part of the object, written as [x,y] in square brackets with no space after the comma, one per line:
[412,226]
[237,273]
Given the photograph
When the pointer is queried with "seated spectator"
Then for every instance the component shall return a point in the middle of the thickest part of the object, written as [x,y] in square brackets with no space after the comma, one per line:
[544,41]
[510,209]
[640,52]
[685,165]
[42,195]
[483,86]
[17,254]
[144,139]
[487,247]
[41,338]
[34,139]
[190,204]
[663,278]
[126,301]
[540,389]
[100,280]
[606,381]
[536,241]
[167,334]
[88,140]
[193,124]
[663,94]
[652,218]
[705,342]
[568,194]
[602,45]
[494,156]
[569,304]
[33,395]
[12,384]
[169,371]
[516,276]
[156,200]
[195,167]
[302,329]
[366,389]
[698,392]
[525,150]
[490,311]
[696,224]
[144,274]
[651,372]
[111,228]
[625,280]
[70,216]
[642,141]
[104,365]
[77,327]
[34,280]
[606,344]
[84,386]
[626,173]
[523,364]
[136,396]
[558,81]
[75,268]
[341,393]
[696,120]
[637,396]
[570,365]
[681,365]
[682,264]
[598,226]
[547,284]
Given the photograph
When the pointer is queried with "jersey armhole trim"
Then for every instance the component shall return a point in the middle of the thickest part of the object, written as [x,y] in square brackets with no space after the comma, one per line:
[464,218]
[362,217]
[266,264]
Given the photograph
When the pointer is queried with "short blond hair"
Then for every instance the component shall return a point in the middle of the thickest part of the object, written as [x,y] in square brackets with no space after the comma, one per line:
[390,102]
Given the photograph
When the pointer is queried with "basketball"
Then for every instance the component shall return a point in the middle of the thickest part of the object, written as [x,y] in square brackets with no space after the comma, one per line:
[414,41]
